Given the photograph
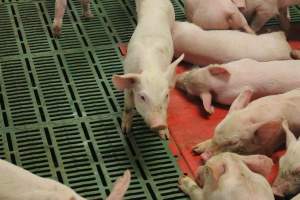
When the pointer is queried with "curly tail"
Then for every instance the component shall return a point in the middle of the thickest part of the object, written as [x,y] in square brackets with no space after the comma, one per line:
[120,187]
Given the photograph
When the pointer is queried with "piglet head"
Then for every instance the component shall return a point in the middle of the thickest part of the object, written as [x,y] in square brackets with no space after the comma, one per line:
[240,132]
[150,92]
[199,82]
[288,179]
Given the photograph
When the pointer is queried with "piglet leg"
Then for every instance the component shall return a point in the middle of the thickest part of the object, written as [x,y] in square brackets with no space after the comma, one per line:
[284,18]
[261,18]
[60,7]
[203,146]
[128,111]
[86,8]
[188,186]
[164,134]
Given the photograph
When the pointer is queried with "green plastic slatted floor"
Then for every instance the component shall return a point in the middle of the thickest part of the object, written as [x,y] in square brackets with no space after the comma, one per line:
[60,115]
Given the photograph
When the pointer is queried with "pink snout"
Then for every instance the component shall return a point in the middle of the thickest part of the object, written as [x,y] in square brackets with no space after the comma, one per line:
[158,124]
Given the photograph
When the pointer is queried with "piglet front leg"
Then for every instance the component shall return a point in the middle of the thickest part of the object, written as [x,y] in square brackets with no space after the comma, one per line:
[164,134]
[60,7]
[188,186]
[128,111]
[87,13]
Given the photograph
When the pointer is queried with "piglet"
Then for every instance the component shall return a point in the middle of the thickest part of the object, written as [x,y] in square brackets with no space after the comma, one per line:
[229,176]
[221,46]
[149,73]
[19,184]
[223,83]
[288,179]
[60,7]
[259,12]
[217,14]
[255,127]
[297,197]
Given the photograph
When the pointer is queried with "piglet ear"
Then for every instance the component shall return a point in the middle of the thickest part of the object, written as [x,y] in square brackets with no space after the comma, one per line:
[171,71]
[216,170]
[219,72]
[242,100]
[239,3]
[290,137]
[126,81]
[266,132]
[258,163]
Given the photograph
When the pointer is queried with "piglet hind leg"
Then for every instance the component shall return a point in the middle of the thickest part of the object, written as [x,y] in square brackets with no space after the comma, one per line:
[86,6]
[60,7]
[285,19]
[188,186]
[128,112]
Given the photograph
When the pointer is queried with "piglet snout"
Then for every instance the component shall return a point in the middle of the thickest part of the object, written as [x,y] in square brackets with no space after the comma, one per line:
[158,124]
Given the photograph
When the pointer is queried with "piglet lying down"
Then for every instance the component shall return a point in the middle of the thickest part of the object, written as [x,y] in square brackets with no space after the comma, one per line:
[229,176]
[287,181]
[222,46]
[19,184]
[223,83]
[254,128]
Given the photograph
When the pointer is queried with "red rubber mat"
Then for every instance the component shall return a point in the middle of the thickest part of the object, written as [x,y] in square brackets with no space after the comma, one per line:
[190,125]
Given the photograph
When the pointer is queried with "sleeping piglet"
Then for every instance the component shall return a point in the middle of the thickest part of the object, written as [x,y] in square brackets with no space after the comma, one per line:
[223,83]
[229,176]
[254,128]
[221,46]
[288,178]
[19,184]
[217,14]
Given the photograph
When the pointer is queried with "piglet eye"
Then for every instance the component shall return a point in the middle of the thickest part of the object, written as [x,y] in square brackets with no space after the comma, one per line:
[142,97]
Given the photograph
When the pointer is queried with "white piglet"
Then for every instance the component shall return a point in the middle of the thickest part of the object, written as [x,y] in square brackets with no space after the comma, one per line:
[223,83]
[229,176]
[217,14]
[254,128]
[149,73]
[259,12]
[287,181]
[221,46]
[19,184]
[60,7]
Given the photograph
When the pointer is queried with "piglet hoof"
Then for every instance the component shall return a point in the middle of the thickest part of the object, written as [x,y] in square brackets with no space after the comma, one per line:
[186,184]
[88,15]
[201,147]
[164,134]
[56,31]
[295,54]
[126,122]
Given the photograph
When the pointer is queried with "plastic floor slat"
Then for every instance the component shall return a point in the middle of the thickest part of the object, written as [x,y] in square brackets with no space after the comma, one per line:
[60,115]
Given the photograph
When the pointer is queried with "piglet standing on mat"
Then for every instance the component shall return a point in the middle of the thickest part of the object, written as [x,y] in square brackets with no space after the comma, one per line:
[256,127]
[223,83]
[19,184]
[60,7]
[287,181]
[229,176]
[204,47]
[217,14]
[149,73]
[259,12]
